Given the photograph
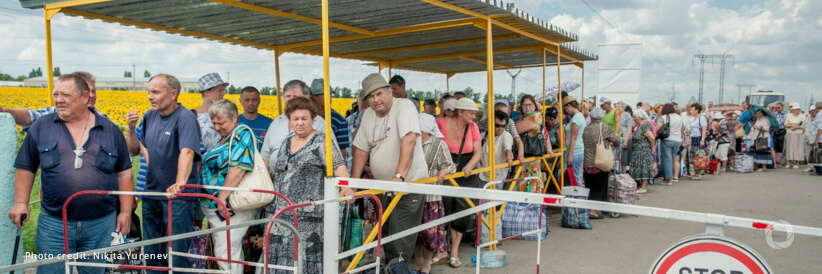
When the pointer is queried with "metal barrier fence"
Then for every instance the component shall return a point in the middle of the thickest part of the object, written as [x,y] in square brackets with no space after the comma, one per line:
[70,259]
[715,223]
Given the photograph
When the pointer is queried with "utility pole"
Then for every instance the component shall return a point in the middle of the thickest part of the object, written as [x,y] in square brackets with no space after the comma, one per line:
[702,58]
[672,94]
[514,84]
[133,77]
[739,90]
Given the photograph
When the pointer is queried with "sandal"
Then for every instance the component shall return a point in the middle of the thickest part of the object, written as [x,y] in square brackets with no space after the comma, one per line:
[641,191]
[439,261]
[454,262]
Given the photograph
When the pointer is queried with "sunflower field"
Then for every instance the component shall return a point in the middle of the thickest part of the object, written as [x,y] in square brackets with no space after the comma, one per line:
[116,104]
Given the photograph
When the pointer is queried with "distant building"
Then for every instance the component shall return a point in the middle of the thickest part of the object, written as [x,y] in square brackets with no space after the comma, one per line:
[118,83]
[11,83]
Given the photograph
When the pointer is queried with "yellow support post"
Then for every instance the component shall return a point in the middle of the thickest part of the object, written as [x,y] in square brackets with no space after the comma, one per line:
[49,13]
[389,72]
[277,54]
[327,95]
[583,83]
[561,118]
[489,63]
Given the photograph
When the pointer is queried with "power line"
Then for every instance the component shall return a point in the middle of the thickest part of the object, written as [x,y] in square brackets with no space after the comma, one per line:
[629,39]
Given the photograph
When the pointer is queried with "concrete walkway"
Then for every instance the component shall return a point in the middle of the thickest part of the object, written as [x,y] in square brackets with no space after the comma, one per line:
[631,244]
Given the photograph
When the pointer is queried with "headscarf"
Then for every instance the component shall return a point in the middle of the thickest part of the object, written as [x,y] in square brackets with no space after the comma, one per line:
[428,124]
[641,114]
[597,114]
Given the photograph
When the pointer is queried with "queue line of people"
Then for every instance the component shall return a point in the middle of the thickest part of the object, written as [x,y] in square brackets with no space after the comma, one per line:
[383,137]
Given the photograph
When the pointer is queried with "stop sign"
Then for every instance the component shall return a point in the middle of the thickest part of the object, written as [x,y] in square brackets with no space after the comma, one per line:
[709,254]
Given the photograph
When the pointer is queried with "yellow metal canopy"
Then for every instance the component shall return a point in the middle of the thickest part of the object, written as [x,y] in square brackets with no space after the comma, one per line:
[438,36]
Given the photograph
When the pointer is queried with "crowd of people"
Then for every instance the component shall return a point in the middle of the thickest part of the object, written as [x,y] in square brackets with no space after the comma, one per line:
[387,135]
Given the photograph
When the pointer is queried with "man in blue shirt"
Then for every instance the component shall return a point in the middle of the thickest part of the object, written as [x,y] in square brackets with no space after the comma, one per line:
[76,150]
[338,123]
[171,140]
[250,99]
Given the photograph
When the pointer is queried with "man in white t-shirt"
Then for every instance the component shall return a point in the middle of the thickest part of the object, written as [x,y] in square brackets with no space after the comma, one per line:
[389,136]
[503,142]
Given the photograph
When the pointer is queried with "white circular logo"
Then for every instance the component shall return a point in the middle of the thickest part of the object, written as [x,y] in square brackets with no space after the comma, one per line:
[780,245]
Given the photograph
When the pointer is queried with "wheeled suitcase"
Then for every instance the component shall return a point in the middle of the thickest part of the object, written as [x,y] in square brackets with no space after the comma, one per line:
[621,190]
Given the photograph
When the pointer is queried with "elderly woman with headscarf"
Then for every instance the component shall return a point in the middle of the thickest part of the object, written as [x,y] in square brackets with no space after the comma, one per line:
[438,158]
[595,179]
[642,151]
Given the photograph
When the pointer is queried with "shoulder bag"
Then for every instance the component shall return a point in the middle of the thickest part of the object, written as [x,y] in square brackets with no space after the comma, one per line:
[604,157]
[256,179]
[665,130]
[761,143]
[534,145]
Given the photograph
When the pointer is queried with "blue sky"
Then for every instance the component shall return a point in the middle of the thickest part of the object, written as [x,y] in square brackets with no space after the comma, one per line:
[775,44]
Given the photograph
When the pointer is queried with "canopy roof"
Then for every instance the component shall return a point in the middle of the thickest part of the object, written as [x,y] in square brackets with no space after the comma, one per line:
[439,36]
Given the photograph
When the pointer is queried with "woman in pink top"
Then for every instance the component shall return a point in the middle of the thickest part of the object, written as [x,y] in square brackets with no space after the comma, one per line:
[463,140]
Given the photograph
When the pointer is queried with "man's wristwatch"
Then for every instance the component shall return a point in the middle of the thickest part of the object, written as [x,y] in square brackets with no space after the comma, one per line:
[400,177]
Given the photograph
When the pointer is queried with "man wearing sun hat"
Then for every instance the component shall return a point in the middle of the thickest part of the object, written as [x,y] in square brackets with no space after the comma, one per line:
[389,138]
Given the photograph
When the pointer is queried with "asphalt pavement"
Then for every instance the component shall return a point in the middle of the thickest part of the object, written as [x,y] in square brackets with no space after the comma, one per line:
[631,244]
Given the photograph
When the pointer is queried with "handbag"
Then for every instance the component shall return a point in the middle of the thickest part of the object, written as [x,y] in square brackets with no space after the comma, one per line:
[604,157]
[740,133]
[258,178]
[665,130]
[761,143]
[575,217]
[701,160]
[533,145]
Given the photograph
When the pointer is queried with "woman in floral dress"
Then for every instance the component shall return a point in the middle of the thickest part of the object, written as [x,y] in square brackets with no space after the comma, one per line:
[642,151]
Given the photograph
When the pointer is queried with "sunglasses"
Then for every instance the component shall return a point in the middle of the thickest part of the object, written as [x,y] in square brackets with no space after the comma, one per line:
[499,126]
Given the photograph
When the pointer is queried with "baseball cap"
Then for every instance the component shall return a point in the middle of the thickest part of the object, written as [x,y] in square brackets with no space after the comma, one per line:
[317,86]
[397,79]
[372,82]
[796,106]
[603,100]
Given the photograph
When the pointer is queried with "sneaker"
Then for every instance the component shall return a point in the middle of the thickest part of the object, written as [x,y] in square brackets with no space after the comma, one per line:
[666,184]
[795,166]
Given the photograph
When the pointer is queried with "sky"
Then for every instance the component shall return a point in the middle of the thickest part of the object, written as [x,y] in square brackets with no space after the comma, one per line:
[775,44]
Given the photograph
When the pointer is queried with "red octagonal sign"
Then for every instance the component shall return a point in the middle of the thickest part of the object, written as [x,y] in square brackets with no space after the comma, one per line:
[709,254]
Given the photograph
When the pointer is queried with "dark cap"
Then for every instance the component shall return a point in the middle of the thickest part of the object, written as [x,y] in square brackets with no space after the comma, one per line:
[397,79]
[430,102]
